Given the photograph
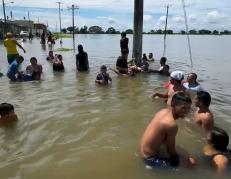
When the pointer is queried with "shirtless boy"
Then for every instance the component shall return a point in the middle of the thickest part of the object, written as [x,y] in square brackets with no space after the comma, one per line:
[7,113]
[203,116]
[162,131]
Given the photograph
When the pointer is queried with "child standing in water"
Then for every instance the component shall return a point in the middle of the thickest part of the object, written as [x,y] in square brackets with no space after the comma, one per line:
[103,77]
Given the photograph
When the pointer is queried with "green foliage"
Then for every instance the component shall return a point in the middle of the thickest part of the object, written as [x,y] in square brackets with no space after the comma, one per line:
[58,35]
[95,30]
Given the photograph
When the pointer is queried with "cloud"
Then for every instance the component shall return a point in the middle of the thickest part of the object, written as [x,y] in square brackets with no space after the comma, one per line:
[178,19]
[192,17]
[162,19]
[148,18]
[213,17]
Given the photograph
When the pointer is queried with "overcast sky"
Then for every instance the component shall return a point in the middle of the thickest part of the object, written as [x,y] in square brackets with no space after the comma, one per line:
[208,14]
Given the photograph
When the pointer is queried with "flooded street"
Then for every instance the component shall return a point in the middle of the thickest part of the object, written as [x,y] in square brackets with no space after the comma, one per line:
[70,127]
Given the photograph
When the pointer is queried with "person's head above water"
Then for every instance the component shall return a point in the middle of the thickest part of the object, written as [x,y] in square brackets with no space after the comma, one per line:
[181,103]
[163,61]
[192,77]
[203,98]
[80,48]
[123,34]
[7,112]
[219,139]
[51,53]
[60,57]
[176,76]
[33,61]
[103,69]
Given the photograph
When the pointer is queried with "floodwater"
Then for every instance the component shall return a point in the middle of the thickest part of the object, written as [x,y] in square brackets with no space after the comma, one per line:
[69,127]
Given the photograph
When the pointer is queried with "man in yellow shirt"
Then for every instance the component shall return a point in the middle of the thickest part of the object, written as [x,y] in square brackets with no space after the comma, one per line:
[10,43]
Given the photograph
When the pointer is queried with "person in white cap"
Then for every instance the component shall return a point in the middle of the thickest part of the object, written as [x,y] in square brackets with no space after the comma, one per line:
[176,78]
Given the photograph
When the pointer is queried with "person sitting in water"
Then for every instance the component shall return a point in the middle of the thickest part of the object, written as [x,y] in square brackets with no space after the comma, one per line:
[216,150]
[7,114]
[130,73]
[13,72]
[121,63]
[192,84]
[150,57]
[163,70]
[33,71]
[58,63]
[162,131]
[103,77]
[176,78]
[203,116]
[82,60]
[50,56]
[145,64]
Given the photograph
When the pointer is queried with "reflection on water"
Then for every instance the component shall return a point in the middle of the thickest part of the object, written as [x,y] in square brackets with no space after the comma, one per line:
[69,127]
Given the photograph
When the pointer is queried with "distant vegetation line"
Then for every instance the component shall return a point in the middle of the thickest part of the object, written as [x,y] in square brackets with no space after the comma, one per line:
[112,30]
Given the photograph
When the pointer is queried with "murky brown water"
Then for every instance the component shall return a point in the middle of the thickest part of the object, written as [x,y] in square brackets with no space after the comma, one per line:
[69,127]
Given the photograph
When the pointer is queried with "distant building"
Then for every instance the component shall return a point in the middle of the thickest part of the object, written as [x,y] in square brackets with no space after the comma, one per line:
[11,26]
[28,24]
[39,28]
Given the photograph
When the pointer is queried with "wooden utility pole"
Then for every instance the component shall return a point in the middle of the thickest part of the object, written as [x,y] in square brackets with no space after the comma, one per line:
[73,8]
[138,31]
[60,23]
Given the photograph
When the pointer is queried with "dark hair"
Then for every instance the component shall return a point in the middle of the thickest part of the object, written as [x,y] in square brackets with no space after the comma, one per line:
[33,58]
[6,108]
[163,59]
[80,48]
[123,34]
[20,58]
[219,139]
[204,97]
[181,97]
[194,75]
[60,57]
[166,67]
[103,67]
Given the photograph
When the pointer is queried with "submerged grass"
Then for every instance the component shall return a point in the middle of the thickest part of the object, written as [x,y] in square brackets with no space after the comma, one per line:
[63,50]
[59,35]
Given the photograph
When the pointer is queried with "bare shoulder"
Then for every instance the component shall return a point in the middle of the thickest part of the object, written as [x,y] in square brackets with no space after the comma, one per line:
[220,160]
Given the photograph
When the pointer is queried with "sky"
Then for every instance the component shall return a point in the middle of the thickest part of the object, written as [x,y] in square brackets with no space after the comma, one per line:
[201,14]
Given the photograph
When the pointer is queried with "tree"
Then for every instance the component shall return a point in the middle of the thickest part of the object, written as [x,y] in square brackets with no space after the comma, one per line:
[169,32]
[129,31]
[159,31]
[193,31]
[83,30]
[204,31]
[111,30]
[95,30]
[70,29]
[64,30]
[215,32]
[182,32]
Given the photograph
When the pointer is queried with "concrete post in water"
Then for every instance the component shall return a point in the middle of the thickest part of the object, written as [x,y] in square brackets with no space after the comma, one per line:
[138,31]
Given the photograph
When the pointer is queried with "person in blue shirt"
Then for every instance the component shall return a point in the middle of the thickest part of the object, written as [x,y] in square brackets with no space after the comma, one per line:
[13,72]
[103,77]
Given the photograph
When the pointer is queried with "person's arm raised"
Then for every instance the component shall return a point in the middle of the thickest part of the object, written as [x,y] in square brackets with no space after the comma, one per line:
[19,46]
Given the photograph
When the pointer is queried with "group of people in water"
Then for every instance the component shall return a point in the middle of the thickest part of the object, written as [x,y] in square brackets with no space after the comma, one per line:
[162,129]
